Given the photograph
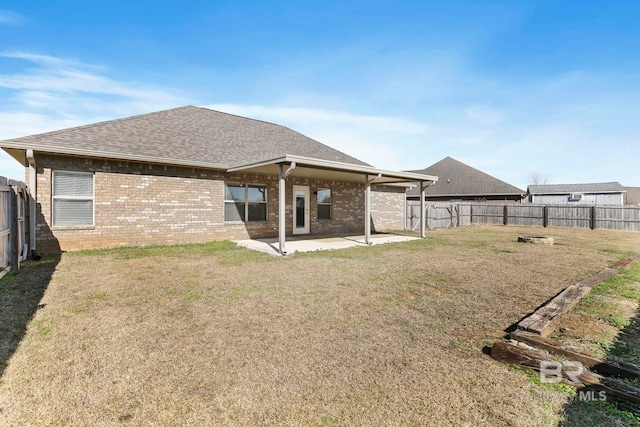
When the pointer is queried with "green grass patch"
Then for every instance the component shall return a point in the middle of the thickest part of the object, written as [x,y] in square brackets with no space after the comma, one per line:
[597,413]
[534,377]
[604,301]
[232,252]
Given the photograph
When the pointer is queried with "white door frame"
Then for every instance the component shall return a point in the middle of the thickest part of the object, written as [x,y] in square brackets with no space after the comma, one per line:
[303,191]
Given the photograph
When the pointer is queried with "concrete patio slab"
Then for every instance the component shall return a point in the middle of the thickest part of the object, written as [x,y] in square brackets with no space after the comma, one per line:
[310,244]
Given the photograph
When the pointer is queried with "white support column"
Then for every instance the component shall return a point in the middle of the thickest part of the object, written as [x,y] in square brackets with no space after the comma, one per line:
[367,210]
[282,224]
[423,219]
[282,219]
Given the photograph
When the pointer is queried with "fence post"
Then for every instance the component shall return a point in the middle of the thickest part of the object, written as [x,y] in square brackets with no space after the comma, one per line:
[505,215]
[470,213]
[451,216]
[14,251]
[545,216]
[593,217]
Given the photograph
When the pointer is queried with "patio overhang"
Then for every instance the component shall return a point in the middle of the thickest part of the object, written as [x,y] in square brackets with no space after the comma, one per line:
[305,167]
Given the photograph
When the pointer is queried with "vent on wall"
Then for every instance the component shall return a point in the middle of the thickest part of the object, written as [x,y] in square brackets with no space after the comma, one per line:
[575,197]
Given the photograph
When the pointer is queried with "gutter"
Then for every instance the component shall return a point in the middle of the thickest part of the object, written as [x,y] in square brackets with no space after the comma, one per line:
[31,160]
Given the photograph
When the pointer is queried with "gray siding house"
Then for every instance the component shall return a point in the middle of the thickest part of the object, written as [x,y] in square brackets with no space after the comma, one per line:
[605,193]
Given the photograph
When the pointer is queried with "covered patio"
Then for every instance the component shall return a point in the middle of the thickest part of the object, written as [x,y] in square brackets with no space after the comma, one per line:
[297,166]
[320,243]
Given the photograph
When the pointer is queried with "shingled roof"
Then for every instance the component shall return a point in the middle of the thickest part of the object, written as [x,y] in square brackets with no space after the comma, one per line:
[600,187]
[185,135]
[457,179]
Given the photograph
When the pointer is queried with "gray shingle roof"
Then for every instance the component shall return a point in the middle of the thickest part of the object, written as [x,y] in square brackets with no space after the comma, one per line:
[187,134]
[602,187]
[458,179]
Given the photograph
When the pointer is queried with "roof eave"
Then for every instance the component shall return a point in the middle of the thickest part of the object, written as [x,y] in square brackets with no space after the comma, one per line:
[112,155]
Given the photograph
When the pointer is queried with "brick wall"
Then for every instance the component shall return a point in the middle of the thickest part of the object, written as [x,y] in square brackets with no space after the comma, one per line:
[140,204]
[387,208]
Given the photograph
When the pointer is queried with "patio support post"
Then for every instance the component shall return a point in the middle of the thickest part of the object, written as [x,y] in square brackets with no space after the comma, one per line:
[282,223]
[367,206]
[367,210]
[281,211]
[423,219]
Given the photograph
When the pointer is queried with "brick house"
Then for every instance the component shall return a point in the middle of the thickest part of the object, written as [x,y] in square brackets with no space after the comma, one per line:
[190,174]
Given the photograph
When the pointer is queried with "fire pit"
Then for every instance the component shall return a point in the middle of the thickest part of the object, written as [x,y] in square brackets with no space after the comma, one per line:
[536,240]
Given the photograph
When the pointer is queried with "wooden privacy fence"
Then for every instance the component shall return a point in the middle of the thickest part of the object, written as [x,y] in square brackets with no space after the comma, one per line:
[14,201]
[438,215]
[447,215]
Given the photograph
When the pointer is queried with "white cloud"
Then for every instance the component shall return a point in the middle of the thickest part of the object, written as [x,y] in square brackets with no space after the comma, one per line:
[71,87]
[55,93]
[11,18]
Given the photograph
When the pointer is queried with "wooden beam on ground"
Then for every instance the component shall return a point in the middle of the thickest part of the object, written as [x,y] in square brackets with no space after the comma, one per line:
[543,320]
[624,370]
[531,361]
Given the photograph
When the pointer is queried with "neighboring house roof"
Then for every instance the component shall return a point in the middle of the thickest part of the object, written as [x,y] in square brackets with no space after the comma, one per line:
[603,187]
[456,179]
[186,135]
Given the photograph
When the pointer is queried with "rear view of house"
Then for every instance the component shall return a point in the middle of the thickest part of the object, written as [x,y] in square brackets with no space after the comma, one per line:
[190,175]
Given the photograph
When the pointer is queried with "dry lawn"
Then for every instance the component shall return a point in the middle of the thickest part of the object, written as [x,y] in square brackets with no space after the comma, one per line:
[217,335]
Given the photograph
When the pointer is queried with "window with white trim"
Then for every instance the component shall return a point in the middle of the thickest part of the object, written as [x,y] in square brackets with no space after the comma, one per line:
[72,198]
[324,203]
[245,202]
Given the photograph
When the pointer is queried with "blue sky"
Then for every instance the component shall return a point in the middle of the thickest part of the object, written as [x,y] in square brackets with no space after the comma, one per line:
[513,88]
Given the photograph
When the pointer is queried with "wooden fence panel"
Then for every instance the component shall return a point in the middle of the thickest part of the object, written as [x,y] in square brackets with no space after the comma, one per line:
[618,217]
[5,226]
[440,215]
[464,214]
[13,225]
[525,215]
[488,213]
[569,216]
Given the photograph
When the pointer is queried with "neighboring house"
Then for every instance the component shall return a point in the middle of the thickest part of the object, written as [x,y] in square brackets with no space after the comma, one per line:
[605,193]
[632,197]
[192,174]
[459,182]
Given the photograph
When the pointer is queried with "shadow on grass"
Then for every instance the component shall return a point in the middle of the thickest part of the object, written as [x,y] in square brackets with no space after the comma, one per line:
[20,297]
[626,348]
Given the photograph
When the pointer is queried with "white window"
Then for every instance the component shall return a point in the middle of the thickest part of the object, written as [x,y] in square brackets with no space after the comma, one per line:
[245,202]
[324,203]
[72,198]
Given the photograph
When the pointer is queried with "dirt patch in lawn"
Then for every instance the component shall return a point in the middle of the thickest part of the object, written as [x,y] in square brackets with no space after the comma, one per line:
[214,334]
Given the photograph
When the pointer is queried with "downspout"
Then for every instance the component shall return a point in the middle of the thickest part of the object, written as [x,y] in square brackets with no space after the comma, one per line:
[32,203]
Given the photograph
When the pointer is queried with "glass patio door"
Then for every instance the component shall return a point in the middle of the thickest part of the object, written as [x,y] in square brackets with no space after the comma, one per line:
[300,209]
